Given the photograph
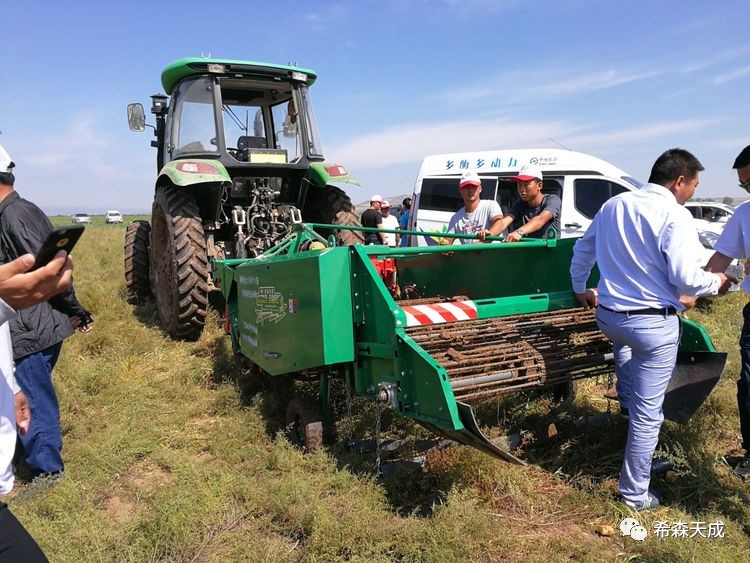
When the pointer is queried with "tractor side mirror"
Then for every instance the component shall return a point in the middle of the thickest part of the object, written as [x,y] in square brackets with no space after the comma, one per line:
[136,117]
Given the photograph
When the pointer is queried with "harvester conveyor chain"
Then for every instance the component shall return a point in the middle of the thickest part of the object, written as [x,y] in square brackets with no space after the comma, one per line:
[506,354]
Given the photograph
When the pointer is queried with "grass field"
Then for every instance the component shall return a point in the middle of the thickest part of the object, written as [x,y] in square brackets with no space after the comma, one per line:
[173,455]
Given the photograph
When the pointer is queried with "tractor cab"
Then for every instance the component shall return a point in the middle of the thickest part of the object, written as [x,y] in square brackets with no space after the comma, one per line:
[246,115]
[239,159]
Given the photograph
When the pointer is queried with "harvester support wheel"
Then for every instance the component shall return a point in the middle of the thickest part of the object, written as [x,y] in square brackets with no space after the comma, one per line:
[305,421]
[331,205]
[137,285]
[179,263]
[565,392]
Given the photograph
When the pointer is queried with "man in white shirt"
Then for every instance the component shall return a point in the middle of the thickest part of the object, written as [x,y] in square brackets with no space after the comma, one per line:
[645,245]
[480,217]
[735,243]
[389,222]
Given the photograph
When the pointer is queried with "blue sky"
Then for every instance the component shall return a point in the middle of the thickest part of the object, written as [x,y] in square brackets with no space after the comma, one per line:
[623,80]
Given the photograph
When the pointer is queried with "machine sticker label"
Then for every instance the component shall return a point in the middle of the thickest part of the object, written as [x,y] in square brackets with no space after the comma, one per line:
[269,306]
[434,313]
[250,334]
[292,306]
[543,160]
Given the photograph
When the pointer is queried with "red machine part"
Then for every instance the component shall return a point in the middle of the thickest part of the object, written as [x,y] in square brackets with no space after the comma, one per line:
[386,268]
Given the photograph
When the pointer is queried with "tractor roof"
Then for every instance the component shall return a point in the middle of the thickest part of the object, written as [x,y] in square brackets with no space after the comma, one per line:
[195,66]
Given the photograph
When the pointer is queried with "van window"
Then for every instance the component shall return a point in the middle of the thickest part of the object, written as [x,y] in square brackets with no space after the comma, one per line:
[591,193]
[441,194]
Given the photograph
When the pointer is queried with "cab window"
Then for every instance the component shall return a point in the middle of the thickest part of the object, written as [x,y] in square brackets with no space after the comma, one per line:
[591,193]
[194,125]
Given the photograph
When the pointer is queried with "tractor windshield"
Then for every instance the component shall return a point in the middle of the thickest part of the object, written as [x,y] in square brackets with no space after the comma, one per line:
[263,124]
[245,119]
[194,129]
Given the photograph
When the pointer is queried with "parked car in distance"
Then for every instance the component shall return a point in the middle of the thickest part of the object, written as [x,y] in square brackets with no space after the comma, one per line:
[81,218]
[735,270]
[112,217]
[710,215]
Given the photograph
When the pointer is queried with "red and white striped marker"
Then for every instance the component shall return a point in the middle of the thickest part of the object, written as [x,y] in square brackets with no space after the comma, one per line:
[434,313]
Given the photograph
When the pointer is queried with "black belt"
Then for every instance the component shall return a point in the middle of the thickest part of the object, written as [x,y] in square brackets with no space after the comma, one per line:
[648,311]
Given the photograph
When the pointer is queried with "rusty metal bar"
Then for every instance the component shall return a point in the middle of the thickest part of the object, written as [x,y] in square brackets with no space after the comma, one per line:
[493,356]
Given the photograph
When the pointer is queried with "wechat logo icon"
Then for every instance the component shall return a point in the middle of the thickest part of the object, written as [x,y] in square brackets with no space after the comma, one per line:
[631,527]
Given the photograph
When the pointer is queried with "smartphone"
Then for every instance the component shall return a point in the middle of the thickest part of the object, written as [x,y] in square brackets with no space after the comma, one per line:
[62,238]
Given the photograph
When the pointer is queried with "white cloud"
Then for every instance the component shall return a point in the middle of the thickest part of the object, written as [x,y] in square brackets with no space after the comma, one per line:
[730,76]
[640,133]
[81,143]
[717,58]
[330,14]
[81,165]
[412,142]
[529,87]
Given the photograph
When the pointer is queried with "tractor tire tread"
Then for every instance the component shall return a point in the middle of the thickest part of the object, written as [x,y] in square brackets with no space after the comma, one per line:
[332,205]
[137,286]
[191,269]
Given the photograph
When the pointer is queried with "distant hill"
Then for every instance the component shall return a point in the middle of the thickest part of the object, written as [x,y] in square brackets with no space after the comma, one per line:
[394,200]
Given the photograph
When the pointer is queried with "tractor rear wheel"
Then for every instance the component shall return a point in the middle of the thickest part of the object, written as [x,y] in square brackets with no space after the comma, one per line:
[305,422]
[137,283]
[331,205]
[179,263]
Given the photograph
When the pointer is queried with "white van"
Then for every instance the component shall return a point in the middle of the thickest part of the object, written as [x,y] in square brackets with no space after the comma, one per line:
[582,181]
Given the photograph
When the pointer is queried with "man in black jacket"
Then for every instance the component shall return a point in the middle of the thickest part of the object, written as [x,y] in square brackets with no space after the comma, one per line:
[37,332]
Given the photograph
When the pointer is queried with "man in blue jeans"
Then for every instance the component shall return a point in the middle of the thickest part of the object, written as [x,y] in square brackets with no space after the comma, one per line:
[645,245]
[37,333]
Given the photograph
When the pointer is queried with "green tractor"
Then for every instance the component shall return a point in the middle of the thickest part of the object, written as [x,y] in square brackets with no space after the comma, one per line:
[239,162]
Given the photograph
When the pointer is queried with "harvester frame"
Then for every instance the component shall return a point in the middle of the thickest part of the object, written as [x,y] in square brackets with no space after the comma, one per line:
[414,330]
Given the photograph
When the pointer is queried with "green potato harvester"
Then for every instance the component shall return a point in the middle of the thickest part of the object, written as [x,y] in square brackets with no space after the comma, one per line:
[426,331]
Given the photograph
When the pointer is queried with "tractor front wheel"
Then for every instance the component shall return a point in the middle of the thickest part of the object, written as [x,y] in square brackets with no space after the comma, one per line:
[137,268]
[179,263]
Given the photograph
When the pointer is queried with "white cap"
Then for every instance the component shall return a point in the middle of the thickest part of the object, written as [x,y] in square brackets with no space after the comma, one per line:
[376,197]
[385,203]
[469,178]
[528,172]
[6,163]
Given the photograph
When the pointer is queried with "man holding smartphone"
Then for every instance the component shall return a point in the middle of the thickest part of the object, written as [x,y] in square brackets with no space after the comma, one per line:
[19,290]
[37,333]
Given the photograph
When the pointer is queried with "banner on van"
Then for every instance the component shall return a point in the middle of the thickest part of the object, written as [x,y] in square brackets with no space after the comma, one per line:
[431,241]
